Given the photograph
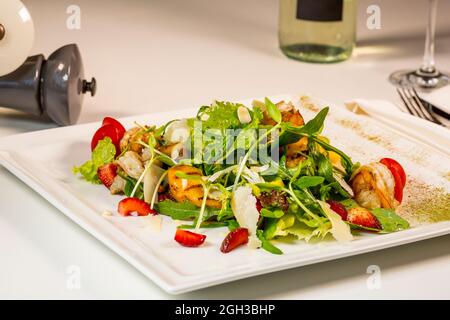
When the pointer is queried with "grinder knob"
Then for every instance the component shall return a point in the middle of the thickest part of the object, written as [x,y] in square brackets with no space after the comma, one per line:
[90,87]
[54,87]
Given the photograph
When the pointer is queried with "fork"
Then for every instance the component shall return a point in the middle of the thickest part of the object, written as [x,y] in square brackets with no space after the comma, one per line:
[414,104]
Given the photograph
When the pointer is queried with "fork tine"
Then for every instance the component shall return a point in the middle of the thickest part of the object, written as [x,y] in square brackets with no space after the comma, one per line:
[410,108]
[410,97]
[425,110]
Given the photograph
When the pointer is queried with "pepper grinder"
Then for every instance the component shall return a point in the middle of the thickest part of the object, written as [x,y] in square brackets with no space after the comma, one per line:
[53,87]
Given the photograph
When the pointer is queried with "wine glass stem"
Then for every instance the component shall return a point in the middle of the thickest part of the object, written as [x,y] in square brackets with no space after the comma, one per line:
[428,57]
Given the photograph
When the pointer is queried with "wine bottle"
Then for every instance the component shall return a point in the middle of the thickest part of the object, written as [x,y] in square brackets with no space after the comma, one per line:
[317,30]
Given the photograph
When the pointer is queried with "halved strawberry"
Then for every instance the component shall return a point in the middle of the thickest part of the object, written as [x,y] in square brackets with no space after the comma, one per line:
[107,173]
[363,217]
[188,238]
[234,239]
[339,208]
[129,205]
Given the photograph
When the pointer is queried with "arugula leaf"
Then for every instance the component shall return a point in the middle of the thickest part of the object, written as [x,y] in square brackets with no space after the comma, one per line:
[129,187]
[270,227]
[268,186]
[186,210]
[194,177]
[389,220]
[325,168]
[257,116]
[359,227]
[309,181]
[103,153]
[232,225]
[290,134]
[315,125]
[277,168]
[165,159]
[325,191]
[349,203]
[287,137]
[272,110]
[205,225]
[266,245]
[347,161]
[312,128]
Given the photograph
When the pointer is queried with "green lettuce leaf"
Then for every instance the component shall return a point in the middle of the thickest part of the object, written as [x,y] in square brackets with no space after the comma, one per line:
[220,115]
[276,227]
[290,225]
[103,153]
[302,232]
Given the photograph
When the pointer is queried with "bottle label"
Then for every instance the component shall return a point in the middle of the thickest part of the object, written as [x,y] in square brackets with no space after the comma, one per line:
[320,10]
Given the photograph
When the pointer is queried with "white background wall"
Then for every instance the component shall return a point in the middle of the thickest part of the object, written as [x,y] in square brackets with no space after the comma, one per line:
[168,54]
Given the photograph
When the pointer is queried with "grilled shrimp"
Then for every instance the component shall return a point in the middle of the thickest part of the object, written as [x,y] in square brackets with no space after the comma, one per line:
[131,163]
[118,185]
[373,185]
[288,112]
[191,190]
[175,150]
[295,152]
[131,138]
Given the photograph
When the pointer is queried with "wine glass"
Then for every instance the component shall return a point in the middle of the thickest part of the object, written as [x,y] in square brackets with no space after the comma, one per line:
[427,76]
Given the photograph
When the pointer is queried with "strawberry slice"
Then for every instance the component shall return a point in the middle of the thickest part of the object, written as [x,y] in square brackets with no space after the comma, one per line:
[163,197]
[258,205]
[188,238]
[129,205]
[363,217]
[107,173]
[339,208]
[234,239]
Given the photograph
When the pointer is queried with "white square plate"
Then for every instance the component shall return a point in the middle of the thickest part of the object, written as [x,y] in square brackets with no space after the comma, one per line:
[44,161]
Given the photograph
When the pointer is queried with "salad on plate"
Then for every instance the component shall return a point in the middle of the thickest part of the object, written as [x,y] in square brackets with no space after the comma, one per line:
[262,172]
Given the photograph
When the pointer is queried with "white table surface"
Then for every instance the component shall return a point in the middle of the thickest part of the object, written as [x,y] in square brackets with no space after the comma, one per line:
[161,55]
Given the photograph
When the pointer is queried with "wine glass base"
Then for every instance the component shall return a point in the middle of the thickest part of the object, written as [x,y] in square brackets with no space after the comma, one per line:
[419,79]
